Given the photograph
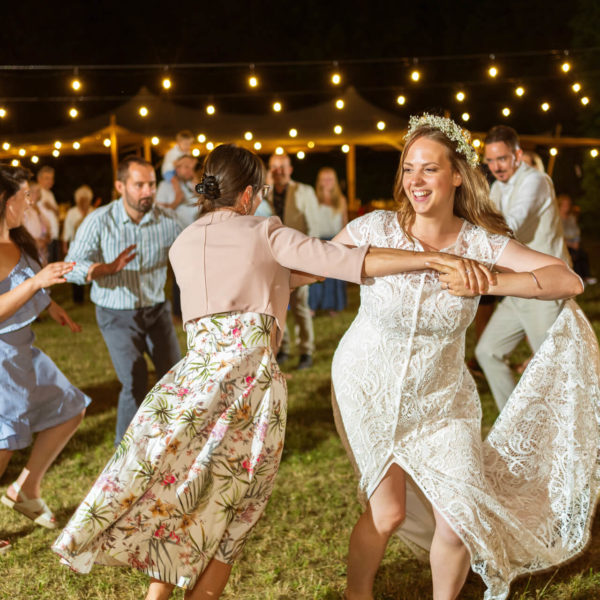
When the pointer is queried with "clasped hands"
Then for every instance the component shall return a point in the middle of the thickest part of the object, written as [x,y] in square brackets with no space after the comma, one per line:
[461,276]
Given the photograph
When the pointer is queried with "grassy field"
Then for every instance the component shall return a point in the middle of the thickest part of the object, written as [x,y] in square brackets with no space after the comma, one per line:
[298,550]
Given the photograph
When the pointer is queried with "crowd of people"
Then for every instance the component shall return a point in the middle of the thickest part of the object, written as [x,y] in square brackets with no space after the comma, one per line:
[246,242]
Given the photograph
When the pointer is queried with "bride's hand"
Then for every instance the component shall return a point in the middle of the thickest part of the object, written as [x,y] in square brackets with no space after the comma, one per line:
[462,276]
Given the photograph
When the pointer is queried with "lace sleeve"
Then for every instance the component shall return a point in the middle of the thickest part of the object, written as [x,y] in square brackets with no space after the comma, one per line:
[362,229]
[481,245]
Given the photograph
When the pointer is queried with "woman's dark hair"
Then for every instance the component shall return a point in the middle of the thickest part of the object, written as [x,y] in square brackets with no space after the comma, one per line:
[11,179]
[226,173]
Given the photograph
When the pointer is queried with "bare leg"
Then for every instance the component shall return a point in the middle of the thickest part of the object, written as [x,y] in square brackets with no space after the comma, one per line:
[212,582]
[159,590]
[5,456]
[47,446]
[385,513]
[449,559]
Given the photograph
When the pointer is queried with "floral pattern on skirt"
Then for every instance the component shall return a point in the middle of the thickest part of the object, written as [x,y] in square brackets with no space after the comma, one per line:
[194,471]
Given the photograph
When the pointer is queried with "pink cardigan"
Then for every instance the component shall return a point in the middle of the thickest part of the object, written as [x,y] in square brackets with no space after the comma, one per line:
[225,262]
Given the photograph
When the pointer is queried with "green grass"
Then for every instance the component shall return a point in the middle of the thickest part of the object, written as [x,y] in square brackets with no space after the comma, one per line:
[298,550]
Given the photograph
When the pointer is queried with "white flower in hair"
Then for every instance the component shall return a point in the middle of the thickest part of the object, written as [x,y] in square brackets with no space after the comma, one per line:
[451,130]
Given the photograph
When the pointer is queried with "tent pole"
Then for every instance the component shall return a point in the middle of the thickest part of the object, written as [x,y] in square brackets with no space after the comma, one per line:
[114,149]
[351,179]
[147,149]
[552,159]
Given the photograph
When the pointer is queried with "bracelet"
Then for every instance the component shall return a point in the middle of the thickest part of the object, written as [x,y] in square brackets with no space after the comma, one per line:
[535,279]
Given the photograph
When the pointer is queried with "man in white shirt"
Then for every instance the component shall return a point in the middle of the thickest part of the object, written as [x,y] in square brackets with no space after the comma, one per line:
[186,208]
[49,208]
[526,198]
[297,206]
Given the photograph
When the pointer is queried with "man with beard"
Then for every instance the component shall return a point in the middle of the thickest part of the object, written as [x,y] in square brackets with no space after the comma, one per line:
[122,250]
[526,199]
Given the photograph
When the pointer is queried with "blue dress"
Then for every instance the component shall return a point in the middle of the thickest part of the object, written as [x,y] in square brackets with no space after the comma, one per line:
[34,394]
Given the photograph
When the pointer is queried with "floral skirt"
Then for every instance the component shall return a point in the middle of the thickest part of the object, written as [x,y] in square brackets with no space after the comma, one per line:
[196,467]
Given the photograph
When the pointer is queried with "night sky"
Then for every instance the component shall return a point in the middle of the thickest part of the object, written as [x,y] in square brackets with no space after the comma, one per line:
[111,33]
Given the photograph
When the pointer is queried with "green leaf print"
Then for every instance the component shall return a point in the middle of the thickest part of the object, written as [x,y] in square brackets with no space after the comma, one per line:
[122,449]
[261,332]
[161,559]
[94,514]
[161,411]
[197,492]
[145,471]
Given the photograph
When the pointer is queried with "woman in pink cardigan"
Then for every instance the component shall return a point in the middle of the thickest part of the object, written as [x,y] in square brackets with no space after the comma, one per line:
[196,467]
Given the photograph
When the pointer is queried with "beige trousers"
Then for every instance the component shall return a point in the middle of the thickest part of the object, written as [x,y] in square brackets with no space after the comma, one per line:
[301,313]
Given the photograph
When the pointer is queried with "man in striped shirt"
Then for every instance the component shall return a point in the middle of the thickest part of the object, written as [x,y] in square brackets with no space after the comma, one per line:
[122,249]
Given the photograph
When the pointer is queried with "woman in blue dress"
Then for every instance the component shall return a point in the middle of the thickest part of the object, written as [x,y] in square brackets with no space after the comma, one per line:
[35,397]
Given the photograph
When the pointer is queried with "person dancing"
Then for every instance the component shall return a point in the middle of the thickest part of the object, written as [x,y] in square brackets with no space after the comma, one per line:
[407,408]
[35,397]
[196,467]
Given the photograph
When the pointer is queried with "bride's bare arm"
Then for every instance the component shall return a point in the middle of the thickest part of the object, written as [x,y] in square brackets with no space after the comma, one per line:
[525,273]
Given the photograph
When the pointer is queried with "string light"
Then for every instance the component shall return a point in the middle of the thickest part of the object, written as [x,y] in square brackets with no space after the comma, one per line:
[55,153]
[201,138]
[576,87]
[506,111]
[155,140]
[565,67]
[311,145]
[593,152]
[293,132]
[300,154]
[73,112]
[5,146]
[337,129]
[465,116]
[553,151]
[76,145]
[336,78]
[279,150]
[76,84]
[166,83]
[460,96]
[35,159]
[210,109]
[277,106]
[248,135]
[477,142]
[493,72]
[57,145]
[14,162]
[196,152]
[257,145]
[339,104]
[401,100]
[545,106]
[345,148]
[106,142]
[415,75]
[585,100]
[21,151]
[143,111]
[210,146]
[519,91]
[253,81]
[381,125]
[2,113]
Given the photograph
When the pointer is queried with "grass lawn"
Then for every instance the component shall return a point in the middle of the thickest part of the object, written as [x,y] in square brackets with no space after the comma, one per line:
[298,550]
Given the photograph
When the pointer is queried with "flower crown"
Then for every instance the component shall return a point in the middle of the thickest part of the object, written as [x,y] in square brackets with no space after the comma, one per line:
[451,130]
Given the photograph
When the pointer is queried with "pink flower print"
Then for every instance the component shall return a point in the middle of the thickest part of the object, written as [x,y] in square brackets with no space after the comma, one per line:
[249,380]
[173,536]
[160,532]
[182,392]
[169,479]
[248,466]
[236,332]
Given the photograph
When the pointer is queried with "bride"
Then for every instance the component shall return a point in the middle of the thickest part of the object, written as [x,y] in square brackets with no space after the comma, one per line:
[408,410]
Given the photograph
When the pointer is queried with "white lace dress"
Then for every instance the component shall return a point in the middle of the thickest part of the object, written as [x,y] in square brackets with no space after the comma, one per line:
[522,500]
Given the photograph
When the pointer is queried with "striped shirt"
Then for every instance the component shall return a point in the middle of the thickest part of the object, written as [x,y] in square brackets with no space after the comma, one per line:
[104,234]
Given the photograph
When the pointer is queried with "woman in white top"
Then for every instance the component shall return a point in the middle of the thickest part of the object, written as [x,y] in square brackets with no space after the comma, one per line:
[522,500]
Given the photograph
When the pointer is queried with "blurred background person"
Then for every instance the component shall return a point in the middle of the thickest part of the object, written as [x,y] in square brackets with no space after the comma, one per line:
[49,208]
[35,222]
[183,145]
[83,207]
[568,213]
[533,159]
[331,218]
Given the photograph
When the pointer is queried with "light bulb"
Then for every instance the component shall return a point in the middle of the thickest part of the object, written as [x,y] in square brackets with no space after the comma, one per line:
[401,99]
[381,125]
[201,138]
[415,75]
[155,140]
[553,151]
[277,106]
[106,142]
[339,104]
[293,132]
[519,91]
[465,116]
[210,109]
[76,84]
[345,148]
[460,96]
[257,145]
[336,78]
[143,111]
[166,83]
[248,135]
[506,111]
[492,71]
[73,112]
[337,129]
[300,154]
[76,145]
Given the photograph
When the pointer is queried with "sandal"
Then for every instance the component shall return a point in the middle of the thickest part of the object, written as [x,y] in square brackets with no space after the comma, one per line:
[4,546]
[35,508]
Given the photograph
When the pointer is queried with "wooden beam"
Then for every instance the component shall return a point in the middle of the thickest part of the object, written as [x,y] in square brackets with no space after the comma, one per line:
[353,204]
[147,149]
[114,148]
